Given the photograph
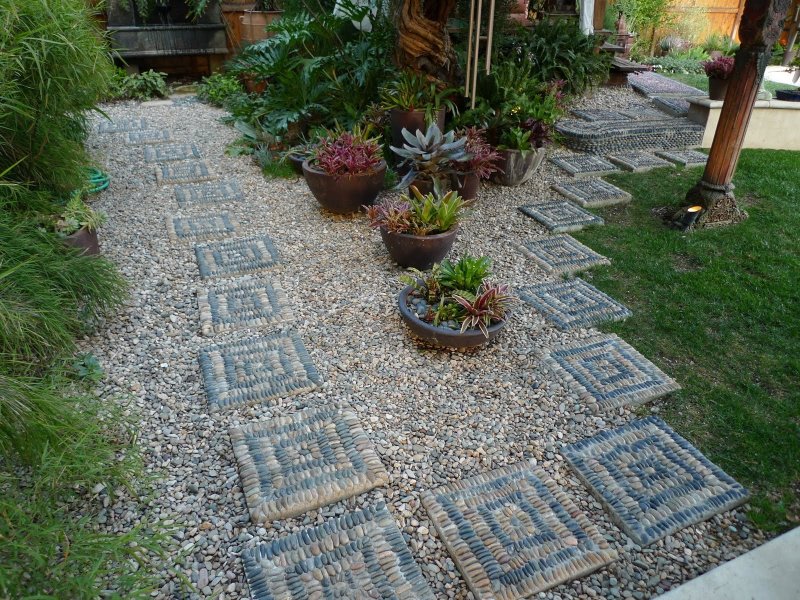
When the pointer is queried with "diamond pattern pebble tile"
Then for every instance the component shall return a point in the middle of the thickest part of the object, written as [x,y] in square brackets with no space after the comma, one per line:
[257,370]
[608,372]
[294,464]
[675,107]
[183,172]
[684,158]
[514,533]
[236,257]
[201,227]
[638,161]
[360,555]
[148,136]
[242,304]
[584,165]
[652,84]
[652,481]
[563,254]
[214,192]
[171,152]
[592,193]
[573,303]
[560,216]
[599,114]
[122,125]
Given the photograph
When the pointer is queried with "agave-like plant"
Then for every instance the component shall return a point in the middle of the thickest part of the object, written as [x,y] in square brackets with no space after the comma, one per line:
[491,305]
[430,155]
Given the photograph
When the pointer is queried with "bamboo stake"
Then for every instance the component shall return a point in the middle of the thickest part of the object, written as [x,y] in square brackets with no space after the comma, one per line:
[489,34]
[477,53]
[469,47]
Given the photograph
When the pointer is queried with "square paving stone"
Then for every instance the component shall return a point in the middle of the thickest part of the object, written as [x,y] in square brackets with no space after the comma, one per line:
[599,114]
[214,192]
[171,152]
[609,373]
[297,463]
[122,125]
[183,172]
[560,216]
[236,257]
[361,555]
[675,107]
[257,370]
[638,161]
[201,227]
[242,304]
[584,165]
[564,254]
[149,136]
[684,158]
[573,303]
[652,481]
[652,84]
[514,533]
[592,193]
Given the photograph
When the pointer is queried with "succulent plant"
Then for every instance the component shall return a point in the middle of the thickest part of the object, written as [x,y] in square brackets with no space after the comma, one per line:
[347,154]
[482,159]
[431,155]
[417,213]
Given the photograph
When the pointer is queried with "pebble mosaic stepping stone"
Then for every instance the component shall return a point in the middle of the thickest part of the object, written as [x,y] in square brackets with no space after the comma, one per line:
[573,303]
[257,370]
[560,216]
[652,481]
[599,114]
[183,172]
[684,158]
[563,254]
[514,533]
[592,193]
[609,373]
[149,136]
[645,113]
[215,192]
[236,257]
[652,84]
[171,152]
[638,161]
[360,555]
[300,462]
[122,125]
[584,165]
[202,227]
[242,304]
[675,107]
[605,137]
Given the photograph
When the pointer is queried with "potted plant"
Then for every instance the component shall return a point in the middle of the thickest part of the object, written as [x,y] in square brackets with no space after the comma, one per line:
[254,22]
[77,224]
[345,171]
[455,304]
[430,158]
[481,162]
[419,229]
[522,150]
[718,70]
[297,155]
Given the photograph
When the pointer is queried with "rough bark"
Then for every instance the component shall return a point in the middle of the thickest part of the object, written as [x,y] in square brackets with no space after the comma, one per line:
[423,43]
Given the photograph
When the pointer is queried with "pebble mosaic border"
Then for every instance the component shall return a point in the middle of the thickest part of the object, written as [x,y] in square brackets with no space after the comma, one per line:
[514,533]
[560,216]
[149,136]
[360,555]
[651,480]
[243,304]
[122,125]
[645,113]
[638,161]
[170,152]
[599,114]
[215,192]
[182,228]
[675,107]
[584,165]
[183,172]
[592,193]
[652,84]
[684,158]
[573,303]
[236,257]
[563,254]
[294,464]
[623,136]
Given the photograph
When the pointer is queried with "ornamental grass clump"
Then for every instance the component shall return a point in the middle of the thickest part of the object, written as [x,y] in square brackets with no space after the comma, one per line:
[719,68]
[417,213]
[346,154]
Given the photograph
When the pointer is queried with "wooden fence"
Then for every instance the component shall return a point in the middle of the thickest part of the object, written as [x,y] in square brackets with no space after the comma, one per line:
[713,16]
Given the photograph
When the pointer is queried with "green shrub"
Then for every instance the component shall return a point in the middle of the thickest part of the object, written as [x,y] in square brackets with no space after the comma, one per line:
[138,86]
[218,88]
[685,61]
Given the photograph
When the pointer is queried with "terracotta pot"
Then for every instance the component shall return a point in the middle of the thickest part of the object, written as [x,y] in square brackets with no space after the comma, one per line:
[441,336]
[411,120]
[347,193]
[517,168]
[254,23]
[717,88]
[84,239]
[467,185]
[418,251]
[296,162]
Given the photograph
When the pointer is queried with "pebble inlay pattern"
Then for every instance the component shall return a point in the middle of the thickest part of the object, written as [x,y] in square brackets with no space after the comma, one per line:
[584,165]
[149,136]
[563,254]
[684,158]
[361,556]
[645,113]
[236,257]
[514,533]
[122,125]
[245,303]
[653,84]
[216,192]
[677,107]
[201,227]
[573,303]
[609,373]
[651,480]
[592,193]
[622,136]
[599,114]
[297,463]
[257,370]
[183,172]
[560,216]
[638,161]
[171,152]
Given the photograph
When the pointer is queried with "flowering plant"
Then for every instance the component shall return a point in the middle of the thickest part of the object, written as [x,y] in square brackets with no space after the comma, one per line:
[719,68]
[346,154]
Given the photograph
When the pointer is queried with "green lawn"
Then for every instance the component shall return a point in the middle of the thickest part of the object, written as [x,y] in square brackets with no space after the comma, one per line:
[701,82]
[719,310]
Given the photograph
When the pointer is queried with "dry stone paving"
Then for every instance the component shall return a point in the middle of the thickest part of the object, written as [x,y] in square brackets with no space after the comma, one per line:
[563,254]
[257,369]
[560,216]
[213,192]
[245,303]
[170,152]
[684,158]
[651,480]
[638,161]
[236,257]
[148,136]
[183,228]
[294,464]
[584,165]
[573,303]
[592,193]
[609,373]
[360,555]
[652,84]
[183,172]
[514,533]
[122,125]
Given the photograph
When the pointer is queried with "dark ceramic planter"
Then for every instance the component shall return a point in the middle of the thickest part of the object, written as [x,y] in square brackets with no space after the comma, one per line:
[717,88]
[467,185]
[85,240]
[441,336]
[296,162]
[418,251]
[788,95]
[347,193]
[411,120]
[517,168]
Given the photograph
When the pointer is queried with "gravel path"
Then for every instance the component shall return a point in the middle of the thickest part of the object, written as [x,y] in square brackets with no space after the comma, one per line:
[435,416]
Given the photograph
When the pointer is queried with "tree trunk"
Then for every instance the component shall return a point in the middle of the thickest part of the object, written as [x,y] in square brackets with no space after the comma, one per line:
[423,43]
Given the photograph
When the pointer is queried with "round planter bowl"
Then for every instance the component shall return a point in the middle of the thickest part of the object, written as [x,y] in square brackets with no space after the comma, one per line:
[347,193]
[516,168]
[411,120]
[467,185]
[441,336]
[85,240]
[717,88]
[418,251]
[296,162]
